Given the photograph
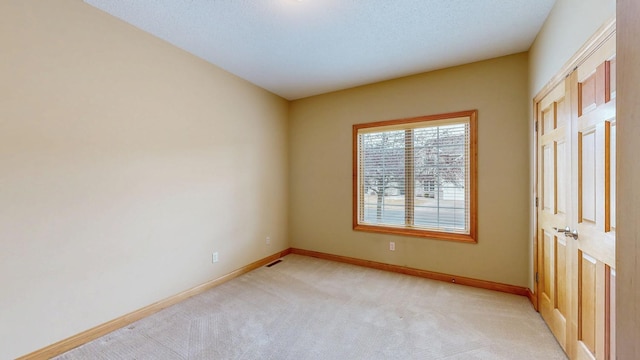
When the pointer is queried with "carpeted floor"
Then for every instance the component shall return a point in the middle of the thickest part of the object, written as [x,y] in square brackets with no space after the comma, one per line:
[307,308]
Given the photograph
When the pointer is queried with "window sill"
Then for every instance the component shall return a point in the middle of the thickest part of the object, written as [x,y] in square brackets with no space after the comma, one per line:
[438,235]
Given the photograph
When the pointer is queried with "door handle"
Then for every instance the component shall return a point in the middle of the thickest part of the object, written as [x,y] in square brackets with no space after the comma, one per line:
[568,232]
[573,234]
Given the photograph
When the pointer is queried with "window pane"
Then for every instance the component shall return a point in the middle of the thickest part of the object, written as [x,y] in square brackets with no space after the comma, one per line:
[440,163]
[382,170]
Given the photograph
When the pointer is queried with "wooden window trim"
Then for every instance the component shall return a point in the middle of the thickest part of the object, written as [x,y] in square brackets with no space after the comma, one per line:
[473,180]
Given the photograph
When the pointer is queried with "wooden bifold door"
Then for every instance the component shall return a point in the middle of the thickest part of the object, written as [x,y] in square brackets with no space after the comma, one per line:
[576,219]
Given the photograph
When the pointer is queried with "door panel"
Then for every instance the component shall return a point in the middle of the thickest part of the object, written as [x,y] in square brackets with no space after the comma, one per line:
[612,175]
[587,301]
[610,329]
[587,177]
[560,275]
[561,191]
[576,176]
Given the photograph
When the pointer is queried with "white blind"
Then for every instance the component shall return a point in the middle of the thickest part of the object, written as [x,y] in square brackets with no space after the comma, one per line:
[416,176]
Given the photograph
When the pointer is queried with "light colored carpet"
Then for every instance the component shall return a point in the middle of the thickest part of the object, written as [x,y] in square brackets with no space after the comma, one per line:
[307,308]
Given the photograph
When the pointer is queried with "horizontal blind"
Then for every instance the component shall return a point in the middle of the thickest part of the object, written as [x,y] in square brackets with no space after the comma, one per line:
[437,182]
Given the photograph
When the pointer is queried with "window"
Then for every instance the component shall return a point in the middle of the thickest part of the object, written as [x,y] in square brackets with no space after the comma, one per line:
[417,176]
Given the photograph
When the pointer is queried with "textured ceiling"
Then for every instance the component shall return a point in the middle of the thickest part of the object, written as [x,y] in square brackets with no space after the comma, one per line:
[302,48]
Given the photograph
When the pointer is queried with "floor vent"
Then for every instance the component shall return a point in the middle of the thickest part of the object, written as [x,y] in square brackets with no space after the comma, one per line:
[274,263]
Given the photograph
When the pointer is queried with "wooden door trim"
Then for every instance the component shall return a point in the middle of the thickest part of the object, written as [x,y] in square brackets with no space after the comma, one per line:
[535,294]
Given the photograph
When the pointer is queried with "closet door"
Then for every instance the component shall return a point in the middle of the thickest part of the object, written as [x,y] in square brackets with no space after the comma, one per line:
[576,189]
[593,117]
[554,159]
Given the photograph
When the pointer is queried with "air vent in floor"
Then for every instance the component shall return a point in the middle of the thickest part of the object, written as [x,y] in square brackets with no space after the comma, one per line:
[274,263]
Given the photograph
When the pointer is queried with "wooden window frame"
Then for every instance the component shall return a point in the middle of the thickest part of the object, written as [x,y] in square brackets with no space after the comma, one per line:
[471,237]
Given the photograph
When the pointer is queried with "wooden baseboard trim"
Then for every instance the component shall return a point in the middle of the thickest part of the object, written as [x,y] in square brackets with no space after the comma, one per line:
[483,284]
[533,298]
[84,337]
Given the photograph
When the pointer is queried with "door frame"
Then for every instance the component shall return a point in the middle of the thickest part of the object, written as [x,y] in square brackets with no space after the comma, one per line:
[590,46]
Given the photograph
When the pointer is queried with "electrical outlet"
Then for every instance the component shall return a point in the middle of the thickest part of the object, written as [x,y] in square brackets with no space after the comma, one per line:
[214,257]
[268,240]
[392,246]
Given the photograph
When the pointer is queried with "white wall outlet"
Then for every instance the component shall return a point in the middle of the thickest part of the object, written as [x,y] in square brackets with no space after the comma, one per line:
[214,257]
[268,241]
[392,246]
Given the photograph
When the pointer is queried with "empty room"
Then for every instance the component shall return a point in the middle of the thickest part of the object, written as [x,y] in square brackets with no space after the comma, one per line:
[319,179]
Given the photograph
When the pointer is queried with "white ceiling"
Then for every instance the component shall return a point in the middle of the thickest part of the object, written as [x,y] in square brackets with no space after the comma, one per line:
[302,48]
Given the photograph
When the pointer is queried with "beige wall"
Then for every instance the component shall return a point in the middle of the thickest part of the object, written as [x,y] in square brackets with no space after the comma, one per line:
[628,203]
[124,163]
[320,168]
